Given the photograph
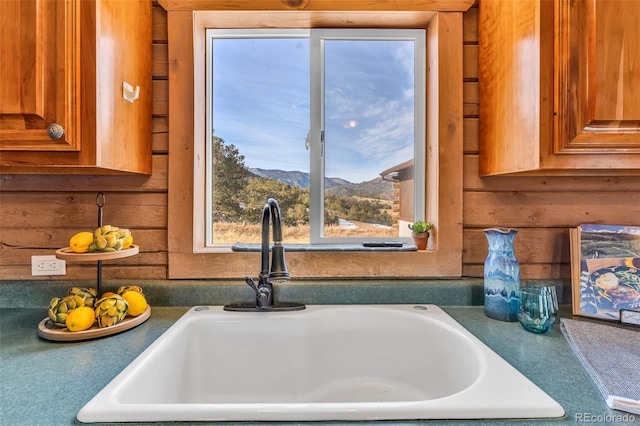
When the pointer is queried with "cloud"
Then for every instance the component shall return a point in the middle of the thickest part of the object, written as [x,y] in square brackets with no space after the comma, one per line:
[263,108]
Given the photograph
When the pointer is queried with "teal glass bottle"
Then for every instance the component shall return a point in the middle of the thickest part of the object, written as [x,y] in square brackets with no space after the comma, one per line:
[501,275]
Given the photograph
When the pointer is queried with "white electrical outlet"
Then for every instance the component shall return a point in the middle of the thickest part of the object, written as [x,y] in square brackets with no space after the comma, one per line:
[47,265]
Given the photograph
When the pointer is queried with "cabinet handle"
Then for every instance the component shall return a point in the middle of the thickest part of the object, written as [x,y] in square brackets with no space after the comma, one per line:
[55,131]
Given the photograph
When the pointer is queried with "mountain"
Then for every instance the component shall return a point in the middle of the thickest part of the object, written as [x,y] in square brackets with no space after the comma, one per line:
[294,178]
[376,188]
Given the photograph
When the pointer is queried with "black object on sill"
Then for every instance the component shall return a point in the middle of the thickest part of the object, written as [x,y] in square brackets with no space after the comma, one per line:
[380,246]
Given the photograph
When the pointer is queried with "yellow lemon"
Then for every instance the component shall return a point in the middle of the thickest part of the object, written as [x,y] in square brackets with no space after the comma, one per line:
[137,302]
[80,242]
[127,242]
[81,318]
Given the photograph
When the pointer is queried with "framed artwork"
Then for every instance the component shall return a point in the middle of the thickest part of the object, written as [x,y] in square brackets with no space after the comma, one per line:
[605,270]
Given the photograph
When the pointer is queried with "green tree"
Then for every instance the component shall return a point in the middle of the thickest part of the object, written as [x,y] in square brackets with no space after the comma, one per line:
[352,208]
[240,197]
[230,178]
[293,201]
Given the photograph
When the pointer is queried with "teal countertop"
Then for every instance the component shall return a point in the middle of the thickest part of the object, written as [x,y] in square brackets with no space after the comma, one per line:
[46,383]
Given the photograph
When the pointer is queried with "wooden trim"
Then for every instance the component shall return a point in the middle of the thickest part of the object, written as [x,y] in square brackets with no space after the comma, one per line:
[180,209]
[308,19]
[318,5]
[444,165]
[157,182]
[444,133]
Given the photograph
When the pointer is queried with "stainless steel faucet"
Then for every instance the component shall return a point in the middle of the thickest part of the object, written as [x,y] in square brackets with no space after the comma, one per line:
[268,276]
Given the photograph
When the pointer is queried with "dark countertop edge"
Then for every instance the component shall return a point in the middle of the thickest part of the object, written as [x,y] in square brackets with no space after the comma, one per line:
[443,292]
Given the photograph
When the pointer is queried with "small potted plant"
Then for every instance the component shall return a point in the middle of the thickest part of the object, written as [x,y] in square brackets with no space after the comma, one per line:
[420,233]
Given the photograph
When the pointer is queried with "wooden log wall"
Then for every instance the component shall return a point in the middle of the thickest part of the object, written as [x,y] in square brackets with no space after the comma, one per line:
[541,208]
[38,213]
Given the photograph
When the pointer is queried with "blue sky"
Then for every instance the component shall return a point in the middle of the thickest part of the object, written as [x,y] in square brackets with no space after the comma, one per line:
[261,104]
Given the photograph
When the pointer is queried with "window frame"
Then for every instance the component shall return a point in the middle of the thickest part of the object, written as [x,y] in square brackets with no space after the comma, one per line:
[317,38]
[318,124]
[217,33]
[444,152]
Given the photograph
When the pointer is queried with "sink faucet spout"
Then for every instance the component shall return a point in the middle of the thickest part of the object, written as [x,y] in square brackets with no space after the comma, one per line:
[277,273]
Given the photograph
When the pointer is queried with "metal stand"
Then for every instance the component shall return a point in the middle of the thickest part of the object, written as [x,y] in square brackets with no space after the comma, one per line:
[99,202]
[69,255]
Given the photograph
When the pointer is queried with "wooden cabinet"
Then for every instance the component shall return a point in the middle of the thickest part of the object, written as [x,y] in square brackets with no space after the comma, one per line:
[63,66]
[559,86]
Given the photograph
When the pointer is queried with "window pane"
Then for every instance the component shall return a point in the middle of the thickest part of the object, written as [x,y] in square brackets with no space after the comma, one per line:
[368,129]
[260,120]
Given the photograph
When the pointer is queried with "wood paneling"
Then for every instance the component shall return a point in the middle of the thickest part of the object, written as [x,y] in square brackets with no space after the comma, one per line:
[52,238]
[470,26]
[160,97]
[39,213]
[528,271]
[159,30]
[532,245]
[160,125]
[470,70]
[160,143]
[542,208]
[541,252]
[444,140]
[78,211]
[550,209]
[160,61]
[88,272]
[590,185]
[470,135]
[471,99]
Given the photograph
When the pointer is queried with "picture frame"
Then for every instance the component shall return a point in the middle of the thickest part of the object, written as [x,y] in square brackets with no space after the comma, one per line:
[605,270]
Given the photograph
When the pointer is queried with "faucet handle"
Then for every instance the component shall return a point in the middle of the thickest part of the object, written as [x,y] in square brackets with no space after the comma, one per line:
[262,293]
[251,284]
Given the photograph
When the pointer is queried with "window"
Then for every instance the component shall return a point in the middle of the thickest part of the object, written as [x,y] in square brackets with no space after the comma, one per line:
[188,255]
[313,122]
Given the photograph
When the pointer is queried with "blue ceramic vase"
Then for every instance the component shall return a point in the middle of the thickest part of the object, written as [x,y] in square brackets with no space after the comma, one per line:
[501,275]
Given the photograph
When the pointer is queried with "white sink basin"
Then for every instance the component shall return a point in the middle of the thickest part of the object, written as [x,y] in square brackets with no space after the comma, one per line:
[343,362]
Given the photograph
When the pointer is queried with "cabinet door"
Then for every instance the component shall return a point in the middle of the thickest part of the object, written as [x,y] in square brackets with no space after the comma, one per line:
[597,77]
[559,83]
[123,55]
[39,72]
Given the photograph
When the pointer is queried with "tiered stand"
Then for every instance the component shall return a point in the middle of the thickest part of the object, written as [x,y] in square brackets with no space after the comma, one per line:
[46,328]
